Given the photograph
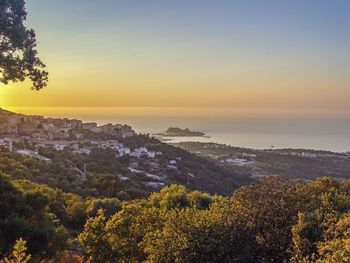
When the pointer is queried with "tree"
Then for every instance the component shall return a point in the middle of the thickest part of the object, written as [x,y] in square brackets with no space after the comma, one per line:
[94,239]
[26,214]
[173,225]
[18,55]
[191,235]
[271,221]
[19,253]
[265,213]
[322,231]
[336,248]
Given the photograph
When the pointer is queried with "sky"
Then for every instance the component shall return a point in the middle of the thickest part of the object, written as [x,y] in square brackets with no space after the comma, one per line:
[270,54]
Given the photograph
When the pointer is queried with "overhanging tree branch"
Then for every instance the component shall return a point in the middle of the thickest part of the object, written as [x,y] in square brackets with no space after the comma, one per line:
[18,55]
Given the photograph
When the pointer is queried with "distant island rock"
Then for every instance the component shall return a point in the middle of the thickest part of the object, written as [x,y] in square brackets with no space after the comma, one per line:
[178,132]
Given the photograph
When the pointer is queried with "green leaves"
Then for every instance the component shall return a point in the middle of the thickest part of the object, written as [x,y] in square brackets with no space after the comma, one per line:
[26,214]
[18,56]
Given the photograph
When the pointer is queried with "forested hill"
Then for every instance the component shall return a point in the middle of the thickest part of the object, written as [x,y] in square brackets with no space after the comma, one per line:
[108,175]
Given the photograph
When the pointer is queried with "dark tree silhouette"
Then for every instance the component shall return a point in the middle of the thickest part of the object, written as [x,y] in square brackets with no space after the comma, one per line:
[18,55]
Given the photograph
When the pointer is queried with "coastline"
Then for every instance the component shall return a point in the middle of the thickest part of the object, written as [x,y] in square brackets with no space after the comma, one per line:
[311,133]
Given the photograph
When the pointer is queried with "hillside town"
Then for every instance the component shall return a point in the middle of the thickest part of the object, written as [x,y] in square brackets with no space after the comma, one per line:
[40,129]
[59,133]
[29,135]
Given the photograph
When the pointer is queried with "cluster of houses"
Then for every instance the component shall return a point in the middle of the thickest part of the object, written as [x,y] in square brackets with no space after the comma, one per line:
[27,135]
[86,149]
[60,133]
[111,129]
[122,150]
[42,129]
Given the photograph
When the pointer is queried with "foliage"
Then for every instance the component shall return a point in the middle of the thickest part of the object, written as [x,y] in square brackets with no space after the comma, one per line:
[25,214]
[18,55]
[102,178]
[336,247]
[19,253]
[48,218]
[94,238]
[272,221]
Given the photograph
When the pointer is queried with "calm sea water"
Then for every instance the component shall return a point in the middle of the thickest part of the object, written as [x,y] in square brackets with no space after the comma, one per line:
[260,132]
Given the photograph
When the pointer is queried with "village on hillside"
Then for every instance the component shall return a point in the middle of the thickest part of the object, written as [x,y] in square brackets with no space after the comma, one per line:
[29,135]
[60,133]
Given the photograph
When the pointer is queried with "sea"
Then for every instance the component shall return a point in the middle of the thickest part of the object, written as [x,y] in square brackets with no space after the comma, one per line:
[226,126]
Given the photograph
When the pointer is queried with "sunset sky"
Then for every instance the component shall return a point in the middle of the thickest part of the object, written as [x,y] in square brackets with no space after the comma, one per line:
[190,53]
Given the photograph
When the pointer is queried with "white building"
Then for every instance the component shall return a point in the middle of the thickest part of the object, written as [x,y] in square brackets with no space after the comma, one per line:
[59,147]
[111,144]
[172,162]
[7,144]
[114,145]
[151,154]
[123,151]
[143,151]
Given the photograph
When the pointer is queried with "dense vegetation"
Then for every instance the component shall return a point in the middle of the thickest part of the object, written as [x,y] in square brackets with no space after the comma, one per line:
[48,219]
[271,221]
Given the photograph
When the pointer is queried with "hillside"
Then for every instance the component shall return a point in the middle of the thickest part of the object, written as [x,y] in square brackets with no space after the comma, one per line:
[287,163]
[110,160]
